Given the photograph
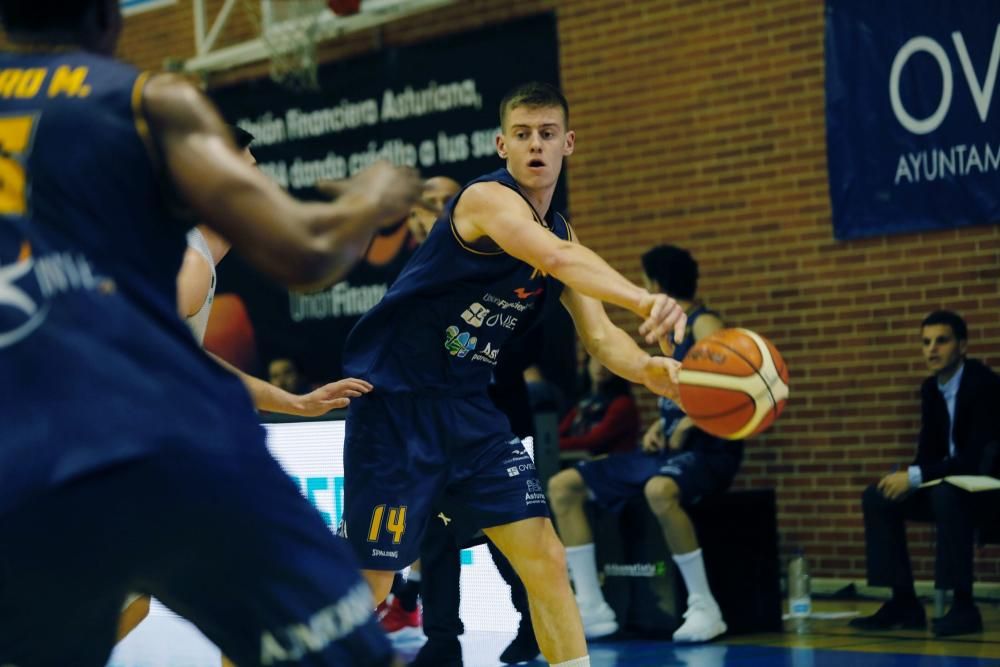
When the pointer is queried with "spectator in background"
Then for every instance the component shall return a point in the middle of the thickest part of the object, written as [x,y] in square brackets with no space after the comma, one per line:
[284,374]
[438,190]
[678,466]
[606,420]
[959,435]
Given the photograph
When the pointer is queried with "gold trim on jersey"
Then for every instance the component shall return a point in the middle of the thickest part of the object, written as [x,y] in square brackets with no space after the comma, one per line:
[466,246]
[139,114]
[534,214]
[570,236]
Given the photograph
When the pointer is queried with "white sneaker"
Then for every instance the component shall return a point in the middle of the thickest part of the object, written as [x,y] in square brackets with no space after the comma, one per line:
[702,621]
[598,620]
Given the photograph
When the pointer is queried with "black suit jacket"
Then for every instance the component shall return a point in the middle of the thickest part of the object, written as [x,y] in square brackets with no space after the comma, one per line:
[977,426]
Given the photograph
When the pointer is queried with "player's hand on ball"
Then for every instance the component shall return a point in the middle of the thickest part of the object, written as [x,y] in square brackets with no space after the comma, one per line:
[391,189]
[331,396]
[660,377]
[665,321]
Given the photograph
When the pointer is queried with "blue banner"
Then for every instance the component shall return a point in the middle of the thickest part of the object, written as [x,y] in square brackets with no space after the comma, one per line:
[913,128]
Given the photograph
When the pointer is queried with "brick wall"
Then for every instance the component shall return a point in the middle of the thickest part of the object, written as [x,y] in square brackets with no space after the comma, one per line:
[701,123]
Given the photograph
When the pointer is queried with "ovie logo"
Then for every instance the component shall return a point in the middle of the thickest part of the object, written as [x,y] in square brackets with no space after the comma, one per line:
[19,313]
[28,285]
[982,92]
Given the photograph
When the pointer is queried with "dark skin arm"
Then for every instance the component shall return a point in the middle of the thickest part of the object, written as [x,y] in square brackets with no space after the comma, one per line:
[297,243]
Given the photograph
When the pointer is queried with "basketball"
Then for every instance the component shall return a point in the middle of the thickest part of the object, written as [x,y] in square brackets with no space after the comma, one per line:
[734,383]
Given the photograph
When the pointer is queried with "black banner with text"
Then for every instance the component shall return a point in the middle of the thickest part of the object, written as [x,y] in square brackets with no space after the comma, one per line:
[433,106]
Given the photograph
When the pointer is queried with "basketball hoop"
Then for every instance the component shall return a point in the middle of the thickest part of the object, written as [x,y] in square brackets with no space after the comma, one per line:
[290,31]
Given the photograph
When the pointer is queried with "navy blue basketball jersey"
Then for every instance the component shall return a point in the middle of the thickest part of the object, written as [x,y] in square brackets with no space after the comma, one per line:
[443,323]
[670,412]
[97,366]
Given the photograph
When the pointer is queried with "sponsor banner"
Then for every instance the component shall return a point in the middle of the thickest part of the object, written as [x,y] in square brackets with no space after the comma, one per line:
[434,106]
[640,570]
[913,137]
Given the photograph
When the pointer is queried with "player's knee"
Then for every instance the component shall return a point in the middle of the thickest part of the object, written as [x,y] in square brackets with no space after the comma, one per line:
[550,557]
[662,494]
[566,489]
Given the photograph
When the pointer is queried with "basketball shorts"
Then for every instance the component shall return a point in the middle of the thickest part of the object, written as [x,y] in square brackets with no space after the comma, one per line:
[411,459]
[221,536]
[705,466]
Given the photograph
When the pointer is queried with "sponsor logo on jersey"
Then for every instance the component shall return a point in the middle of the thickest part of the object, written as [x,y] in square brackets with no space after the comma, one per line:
[534,496]
[504,304]
[459,344]
[519,455]
[487,354]
[29,283]
[508,322]
[385,554]
[475,314]
[514,471]
[523,293]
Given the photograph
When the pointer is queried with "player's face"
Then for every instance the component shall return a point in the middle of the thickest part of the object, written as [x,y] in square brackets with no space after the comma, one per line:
[284,375]
[437,192]
[942,349]
[420,220]
[534,142]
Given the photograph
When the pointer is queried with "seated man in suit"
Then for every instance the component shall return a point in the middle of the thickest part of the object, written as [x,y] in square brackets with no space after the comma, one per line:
[960,422]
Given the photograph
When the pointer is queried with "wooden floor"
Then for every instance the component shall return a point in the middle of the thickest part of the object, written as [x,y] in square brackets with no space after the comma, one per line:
[826,643]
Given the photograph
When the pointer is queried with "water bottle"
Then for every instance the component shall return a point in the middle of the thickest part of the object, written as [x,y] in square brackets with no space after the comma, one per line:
[799,600]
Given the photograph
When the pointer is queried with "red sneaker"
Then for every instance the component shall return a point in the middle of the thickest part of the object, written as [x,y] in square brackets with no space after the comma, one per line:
[397,618]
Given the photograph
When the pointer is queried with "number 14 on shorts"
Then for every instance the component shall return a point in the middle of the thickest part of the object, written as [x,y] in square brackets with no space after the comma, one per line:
[395,523]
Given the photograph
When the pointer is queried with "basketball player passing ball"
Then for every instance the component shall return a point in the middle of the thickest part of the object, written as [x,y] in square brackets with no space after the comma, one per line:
[495,260]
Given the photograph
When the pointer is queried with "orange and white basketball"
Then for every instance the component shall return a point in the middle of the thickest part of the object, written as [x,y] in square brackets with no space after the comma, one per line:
[733,383]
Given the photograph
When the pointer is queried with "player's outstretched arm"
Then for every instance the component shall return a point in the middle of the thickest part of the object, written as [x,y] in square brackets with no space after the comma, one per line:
[616,350]
[267,397]
[300,244]
[494,211]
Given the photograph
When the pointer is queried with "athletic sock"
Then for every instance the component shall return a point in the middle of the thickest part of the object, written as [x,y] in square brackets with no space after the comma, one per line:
[692,567]
[575,662]
[583,571]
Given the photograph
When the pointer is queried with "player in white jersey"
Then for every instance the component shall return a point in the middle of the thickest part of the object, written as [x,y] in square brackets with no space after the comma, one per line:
[195,294]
